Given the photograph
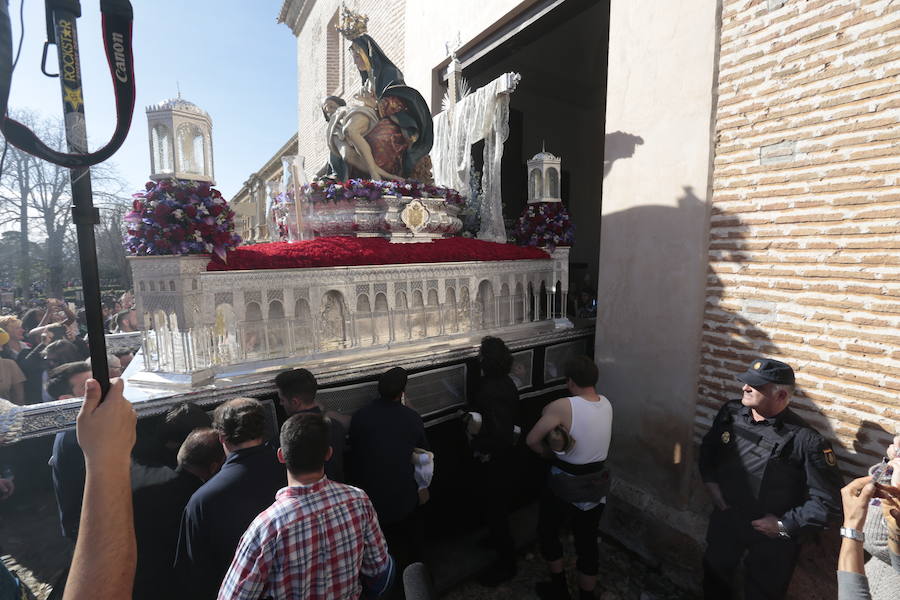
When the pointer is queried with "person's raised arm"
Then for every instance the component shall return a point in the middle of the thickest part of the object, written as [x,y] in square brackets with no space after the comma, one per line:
[106,551]
[855,496]
[551,418]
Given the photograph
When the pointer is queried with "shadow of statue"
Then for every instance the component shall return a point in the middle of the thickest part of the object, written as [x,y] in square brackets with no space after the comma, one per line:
[619,145]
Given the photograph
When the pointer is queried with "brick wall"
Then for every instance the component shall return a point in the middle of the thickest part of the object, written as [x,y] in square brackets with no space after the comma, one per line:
[804,248]
[318,77]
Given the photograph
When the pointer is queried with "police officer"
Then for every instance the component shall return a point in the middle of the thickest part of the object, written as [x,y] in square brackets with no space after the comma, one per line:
[774,481]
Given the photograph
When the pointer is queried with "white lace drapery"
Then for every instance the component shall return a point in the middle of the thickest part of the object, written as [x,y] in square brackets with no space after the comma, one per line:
[482,115]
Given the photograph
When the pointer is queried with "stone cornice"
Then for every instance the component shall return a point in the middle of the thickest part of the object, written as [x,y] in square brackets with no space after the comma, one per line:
[264,172]
[294,14]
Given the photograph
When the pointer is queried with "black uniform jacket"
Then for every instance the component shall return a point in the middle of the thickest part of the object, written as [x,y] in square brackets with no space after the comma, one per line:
[778,466]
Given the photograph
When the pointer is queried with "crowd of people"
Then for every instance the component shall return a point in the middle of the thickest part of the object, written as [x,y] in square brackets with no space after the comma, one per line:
[37,337]
[333,507]
[218,507]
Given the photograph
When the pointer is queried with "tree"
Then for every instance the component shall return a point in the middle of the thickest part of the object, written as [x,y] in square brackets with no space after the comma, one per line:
[10,250]
[15,187]
[37,195]
[110,251]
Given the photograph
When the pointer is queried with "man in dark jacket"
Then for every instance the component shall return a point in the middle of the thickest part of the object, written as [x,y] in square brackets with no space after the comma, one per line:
[773,480]
[219,512]
[297,394]
[382,438]
[159,497]
[67,461]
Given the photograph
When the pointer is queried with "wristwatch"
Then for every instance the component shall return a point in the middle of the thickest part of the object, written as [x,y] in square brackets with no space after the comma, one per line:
[853,534]
[782,531]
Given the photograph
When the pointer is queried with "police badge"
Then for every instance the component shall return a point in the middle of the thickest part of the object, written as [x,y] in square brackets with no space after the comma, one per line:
[829,457]
[726,437]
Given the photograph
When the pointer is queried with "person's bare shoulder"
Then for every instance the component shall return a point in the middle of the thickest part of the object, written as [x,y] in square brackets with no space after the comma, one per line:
[558,408]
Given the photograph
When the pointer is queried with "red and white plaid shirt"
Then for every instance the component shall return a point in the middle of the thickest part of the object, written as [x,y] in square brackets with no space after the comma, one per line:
[313,542]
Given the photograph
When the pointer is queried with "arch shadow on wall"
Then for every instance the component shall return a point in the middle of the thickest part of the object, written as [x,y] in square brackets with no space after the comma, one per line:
[730,341]
[648,427]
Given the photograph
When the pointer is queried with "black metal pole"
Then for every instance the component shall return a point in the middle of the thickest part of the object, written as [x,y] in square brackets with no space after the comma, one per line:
[63,14]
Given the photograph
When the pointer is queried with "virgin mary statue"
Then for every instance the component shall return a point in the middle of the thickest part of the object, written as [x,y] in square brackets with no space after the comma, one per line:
[403,135]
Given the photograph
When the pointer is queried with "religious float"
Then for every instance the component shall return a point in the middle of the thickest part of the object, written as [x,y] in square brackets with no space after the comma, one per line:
[365,267]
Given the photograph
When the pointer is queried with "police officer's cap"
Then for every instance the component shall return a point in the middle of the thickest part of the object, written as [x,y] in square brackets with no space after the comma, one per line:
[766,370]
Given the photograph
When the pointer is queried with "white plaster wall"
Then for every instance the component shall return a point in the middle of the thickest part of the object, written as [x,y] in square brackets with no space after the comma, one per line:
[653,257]
[432,23]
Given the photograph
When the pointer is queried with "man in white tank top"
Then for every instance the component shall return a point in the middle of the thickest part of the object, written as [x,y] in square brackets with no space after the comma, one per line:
[578,482]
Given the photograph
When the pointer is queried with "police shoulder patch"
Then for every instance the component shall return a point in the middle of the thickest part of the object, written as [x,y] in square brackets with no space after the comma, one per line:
[830,458]
[726,437]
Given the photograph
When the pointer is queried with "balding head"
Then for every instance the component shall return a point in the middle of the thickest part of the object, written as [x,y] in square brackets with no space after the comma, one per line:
[201,453]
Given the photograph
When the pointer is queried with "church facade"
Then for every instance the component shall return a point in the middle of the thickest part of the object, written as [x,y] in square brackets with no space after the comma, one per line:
[732,170]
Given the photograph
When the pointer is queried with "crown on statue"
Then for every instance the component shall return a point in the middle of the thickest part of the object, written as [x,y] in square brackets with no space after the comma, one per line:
[352,24]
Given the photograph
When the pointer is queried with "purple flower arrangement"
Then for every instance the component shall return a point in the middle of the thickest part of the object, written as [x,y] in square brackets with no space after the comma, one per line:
[367,189]
[545,224]
[180,217]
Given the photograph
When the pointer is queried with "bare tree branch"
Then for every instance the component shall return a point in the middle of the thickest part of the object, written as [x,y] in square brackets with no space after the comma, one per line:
[37,195]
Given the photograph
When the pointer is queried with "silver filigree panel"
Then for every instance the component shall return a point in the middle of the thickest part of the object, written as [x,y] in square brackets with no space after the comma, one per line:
[555,358]
[433,391]
[224,298]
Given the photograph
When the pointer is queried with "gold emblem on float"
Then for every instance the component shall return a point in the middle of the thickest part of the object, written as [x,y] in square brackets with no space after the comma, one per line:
[726,437]
[415,216]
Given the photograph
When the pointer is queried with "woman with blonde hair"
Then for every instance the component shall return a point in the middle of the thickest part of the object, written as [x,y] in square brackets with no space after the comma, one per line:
[13,326]
[12,380]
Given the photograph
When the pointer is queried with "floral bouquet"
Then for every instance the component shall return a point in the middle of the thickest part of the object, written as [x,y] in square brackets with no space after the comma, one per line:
[180,217]
[368,189]
[545,224]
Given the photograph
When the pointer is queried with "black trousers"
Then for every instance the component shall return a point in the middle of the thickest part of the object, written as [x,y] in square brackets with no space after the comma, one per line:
[406,539]
[496,479]
[553,514]
[768,564]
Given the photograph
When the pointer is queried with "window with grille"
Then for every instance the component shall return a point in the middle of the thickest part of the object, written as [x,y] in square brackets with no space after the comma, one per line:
[332,56]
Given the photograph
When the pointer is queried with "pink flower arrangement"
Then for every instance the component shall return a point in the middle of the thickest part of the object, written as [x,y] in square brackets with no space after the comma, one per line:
[368,189]
[180,217]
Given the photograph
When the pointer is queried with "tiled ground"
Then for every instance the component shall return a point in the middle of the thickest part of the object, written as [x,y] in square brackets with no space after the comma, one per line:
[623,576]
[30,544]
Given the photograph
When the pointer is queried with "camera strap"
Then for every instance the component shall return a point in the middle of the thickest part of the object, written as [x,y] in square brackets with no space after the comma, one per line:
[117,17]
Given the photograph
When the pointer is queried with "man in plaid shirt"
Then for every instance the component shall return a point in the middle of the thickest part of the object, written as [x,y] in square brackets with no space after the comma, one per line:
[319,540]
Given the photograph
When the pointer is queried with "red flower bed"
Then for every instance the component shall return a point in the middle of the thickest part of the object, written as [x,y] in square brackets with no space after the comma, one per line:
[351,251]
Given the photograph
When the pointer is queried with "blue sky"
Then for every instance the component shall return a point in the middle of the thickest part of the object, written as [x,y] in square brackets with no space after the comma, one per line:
[230,58]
